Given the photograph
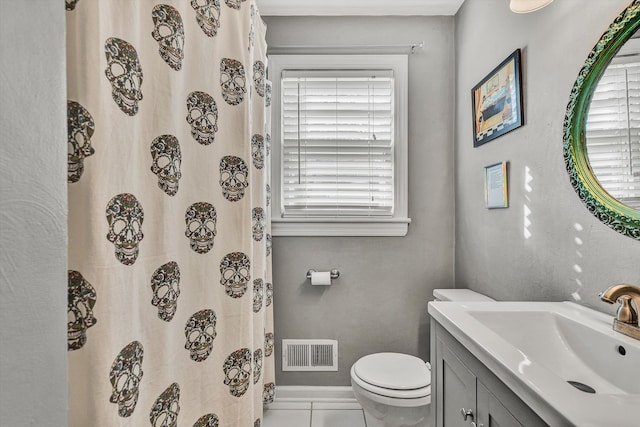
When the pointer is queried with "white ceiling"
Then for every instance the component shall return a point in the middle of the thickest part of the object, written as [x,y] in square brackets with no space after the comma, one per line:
[358,7]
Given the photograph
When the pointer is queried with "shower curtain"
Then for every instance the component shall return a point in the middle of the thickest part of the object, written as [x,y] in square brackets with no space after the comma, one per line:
[170,294]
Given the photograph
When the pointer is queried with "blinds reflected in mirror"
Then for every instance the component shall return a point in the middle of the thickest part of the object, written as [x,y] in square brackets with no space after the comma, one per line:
[613,132]
[338,143]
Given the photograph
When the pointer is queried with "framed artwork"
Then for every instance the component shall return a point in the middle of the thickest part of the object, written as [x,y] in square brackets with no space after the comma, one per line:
[496,194]
[497,101]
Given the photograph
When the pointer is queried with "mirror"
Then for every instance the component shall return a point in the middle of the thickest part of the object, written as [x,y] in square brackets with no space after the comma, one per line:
[581,146]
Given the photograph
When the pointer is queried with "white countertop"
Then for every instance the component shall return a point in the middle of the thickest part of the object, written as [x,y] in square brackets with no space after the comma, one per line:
[541,345]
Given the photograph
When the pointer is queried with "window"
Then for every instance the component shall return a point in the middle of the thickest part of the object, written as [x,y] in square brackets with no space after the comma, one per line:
[337,143]
[340,145]
[612,131]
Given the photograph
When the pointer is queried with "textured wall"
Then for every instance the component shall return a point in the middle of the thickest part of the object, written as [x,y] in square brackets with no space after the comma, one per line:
[546,245]
[33,221]
[379,303]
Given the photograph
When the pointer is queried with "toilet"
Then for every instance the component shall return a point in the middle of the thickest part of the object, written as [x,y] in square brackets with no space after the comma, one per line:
[394,389]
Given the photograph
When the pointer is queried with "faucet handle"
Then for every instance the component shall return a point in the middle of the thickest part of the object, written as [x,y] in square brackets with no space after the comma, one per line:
[466,413]
[626,313]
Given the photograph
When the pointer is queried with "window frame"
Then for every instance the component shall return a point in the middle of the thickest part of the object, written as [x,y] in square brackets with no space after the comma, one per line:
[397,225]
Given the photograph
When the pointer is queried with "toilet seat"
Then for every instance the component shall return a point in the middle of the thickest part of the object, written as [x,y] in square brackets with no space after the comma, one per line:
[394,375]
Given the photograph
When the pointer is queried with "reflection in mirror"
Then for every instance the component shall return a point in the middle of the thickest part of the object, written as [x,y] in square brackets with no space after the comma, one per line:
[612,128]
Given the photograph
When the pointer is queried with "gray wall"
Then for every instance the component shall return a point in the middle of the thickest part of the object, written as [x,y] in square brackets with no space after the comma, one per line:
[569,255]
[33,220]
[379,303]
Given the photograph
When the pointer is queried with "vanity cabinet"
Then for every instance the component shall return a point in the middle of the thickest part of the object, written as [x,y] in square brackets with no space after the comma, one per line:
[467,393]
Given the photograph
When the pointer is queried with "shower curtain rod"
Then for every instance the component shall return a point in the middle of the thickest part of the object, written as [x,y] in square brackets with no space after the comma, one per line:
[411,46]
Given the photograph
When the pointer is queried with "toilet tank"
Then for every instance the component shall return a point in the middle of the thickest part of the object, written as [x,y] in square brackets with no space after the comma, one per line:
[459,295]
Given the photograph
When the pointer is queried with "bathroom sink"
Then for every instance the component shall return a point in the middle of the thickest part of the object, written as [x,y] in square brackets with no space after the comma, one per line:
[573,350]
[561,358]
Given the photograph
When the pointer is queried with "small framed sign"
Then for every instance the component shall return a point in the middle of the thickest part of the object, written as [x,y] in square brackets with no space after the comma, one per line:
[496,193]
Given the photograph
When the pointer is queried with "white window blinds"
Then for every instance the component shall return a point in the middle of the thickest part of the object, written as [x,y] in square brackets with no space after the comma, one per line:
[338,143]
[613,132]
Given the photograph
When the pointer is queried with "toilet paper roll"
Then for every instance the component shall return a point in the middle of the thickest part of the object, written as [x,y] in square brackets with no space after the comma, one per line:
[322,278]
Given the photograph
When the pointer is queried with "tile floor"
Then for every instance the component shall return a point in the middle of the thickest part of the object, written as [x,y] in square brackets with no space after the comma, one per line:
[314,414]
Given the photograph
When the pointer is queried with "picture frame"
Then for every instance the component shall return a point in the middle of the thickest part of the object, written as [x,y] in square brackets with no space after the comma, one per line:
[496,190]
[497,101]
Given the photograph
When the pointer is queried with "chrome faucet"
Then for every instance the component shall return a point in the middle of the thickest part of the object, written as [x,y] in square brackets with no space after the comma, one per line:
[626,321]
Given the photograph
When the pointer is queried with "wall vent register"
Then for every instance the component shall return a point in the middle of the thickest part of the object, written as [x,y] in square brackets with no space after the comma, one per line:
[309,355]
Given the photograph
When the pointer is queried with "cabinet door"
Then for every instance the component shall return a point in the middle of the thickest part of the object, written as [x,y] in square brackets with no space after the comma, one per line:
[456,390]
[491,413]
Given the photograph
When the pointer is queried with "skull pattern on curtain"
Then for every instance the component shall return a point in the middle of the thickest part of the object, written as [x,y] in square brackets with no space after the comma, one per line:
[170,316]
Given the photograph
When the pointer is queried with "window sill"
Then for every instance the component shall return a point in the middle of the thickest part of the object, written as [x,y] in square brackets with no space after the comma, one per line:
[339,227]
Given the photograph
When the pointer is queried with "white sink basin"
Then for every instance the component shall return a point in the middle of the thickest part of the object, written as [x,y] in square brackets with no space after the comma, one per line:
[572,350]
[537,349]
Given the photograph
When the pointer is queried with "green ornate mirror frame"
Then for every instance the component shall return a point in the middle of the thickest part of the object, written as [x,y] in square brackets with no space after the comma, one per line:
[607,209]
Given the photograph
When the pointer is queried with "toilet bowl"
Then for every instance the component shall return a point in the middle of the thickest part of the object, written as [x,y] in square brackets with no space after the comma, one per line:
[394,389]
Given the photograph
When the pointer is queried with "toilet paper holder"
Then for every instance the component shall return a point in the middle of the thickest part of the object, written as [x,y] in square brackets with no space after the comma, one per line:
[335,273]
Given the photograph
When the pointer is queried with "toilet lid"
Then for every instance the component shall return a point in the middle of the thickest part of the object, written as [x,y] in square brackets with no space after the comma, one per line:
[394,371]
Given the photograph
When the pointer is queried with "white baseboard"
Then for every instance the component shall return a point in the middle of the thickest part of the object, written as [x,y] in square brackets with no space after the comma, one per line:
[315,394]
